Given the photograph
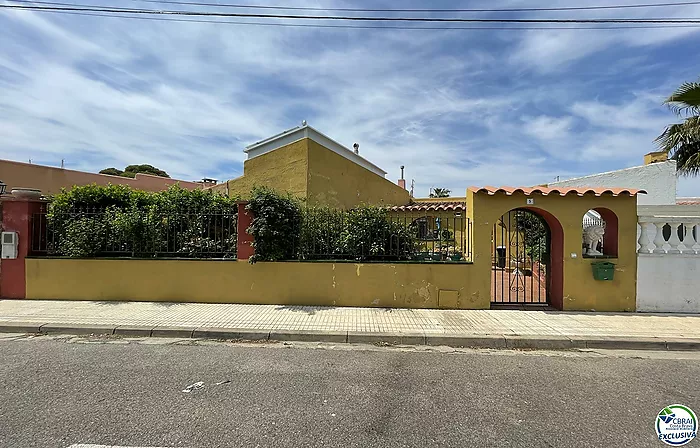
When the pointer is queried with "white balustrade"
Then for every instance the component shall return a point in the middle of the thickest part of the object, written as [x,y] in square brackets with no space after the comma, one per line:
[684,237]
[644,238]
[693,232]
[674,241]
[659,240]
[688,238]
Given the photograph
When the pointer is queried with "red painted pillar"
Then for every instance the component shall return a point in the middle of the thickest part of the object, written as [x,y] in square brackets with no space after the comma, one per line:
[17,216]
[244,246]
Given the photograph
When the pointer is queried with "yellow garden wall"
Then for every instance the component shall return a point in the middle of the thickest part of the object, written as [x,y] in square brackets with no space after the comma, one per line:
[329,284]
[580,290]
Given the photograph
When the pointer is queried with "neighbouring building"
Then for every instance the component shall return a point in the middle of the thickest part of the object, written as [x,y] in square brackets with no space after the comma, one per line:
[657,177]
[314,167]
[50,180]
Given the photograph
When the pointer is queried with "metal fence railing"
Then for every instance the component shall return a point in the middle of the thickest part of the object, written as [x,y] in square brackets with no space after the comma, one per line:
[137,233]
[324,235]
[343,235]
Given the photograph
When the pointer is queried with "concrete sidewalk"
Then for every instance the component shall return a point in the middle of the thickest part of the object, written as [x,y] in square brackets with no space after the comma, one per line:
[464,328]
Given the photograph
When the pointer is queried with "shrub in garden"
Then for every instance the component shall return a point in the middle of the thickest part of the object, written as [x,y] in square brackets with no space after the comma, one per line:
[285,230]
[322,233]
[370,234]
[84,237]
[276,225]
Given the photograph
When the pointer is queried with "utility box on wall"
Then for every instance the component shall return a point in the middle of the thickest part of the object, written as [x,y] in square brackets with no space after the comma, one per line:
[9,245]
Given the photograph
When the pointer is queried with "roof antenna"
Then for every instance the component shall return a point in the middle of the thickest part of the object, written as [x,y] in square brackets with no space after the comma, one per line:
[357,148]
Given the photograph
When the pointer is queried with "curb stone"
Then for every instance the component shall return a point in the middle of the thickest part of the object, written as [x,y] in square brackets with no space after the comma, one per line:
[20,327]
[578,341]
[77,328]
[374,337]
[309,336]
[254,335]
[625,343]
[134,330]
[682,344]
[217,333]
[539,342]
[172,332]
[475,341]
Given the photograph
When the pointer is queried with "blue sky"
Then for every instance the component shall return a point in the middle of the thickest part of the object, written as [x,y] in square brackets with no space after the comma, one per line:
[457,108]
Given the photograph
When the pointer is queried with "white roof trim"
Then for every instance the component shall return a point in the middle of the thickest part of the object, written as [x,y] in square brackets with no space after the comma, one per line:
[587,176]
[306,131]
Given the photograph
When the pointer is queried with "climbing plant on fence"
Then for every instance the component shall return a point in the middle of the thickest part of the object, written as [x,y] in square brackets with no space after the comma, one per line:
[115,220]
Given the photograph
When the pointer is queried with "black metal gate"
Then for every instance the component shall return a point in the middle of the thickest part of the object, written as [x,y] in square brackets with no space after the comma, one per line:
[521,259]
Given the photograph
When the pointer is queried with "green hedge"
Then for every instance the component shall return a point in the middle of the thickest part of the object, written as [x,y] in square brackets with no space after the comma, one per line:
[89,221]
[284,229]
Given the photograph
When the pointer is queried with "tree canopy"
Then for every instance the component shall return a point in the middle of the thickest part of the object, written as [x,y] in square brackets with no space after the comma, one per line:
[440,193]
[112,171]
[682,140]
[132,170]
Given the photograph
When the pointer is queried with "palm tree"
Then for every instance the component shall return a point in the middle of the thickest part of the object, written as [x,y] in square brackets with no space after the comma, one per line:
[682,140]
[440,193]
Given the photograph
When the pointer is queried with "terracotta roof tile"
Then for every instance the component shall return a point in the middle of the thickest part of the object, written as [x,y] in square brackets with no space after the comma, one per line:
[688,202]
[431,206]
[545,191]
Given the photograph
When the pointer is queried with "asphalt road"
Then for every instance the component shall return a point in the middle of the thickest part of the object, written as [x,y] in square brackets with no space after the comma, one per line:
[58,392]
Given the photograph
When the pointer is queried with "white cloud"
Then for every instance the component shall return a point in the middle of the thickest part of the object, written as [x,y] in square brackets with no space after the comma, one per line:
[548,128]
[549,51]
[456,108]
[638,114]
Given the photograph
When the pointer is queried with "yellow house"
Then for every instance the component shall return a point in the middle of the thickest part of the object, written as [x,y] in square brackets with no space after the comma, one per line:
[312,166]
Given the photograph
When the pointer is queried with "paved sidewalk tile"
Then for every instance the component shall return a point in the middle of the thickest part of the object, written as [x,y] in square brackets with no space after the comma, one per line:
[493,328]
